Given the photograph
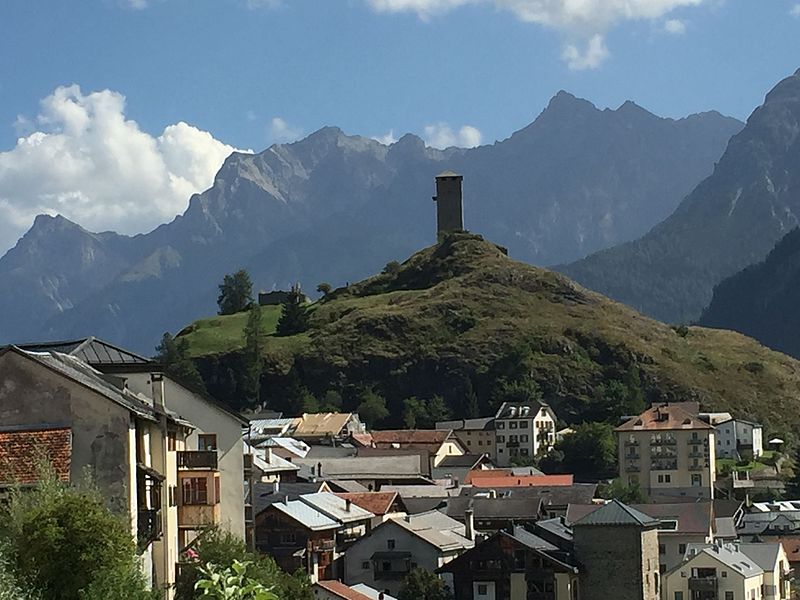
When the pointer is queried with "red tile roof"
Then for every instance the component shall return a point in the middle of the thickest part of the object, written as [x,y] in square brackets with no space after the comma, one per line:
[19,451]
[378,503]
[341,590]
[791,545]
[411,436]
[664,417]
[522,481]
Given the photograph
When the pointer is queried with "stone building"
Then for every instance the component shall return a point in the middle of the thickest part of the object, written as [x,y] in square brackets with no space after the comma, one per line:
[449,204]
[616,550]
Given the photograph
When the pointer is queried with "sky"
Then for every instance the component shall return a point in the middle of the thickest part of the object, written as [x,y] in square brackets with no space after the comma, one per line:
[113,112]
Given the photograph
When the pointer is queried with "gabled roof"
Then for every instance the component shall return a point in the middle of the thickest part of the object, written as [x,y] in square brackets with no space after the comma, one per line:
[728,555]
[482,424]
[306,515]
[516,508]
[428,439]
[764,555]
[690,517]
[335,507]
[664,417]
[436,529]
[20,450]
[296,447]
[340,590]
[378,503]
[320,424]
[615,513]
[91,351]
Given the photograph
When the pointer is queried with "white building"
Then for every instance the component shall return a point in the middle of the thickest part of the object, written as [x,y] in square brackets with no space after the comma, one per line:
[737,438]
[523,429]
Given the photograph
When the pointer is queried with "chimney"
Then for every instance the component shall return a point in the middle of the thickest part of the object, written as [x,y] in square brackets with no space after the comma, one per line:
[157,386]
[269,456]
[276,486]
[469,524]
[348,504]
[319,469]
[449,205]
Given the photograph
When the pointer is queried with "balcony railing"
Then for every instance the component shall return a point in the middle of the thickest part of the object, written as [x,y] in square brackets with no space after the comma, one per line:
[197,459]
[697,467]
[632,456]
[703,584]
[631,442]
[195,516]
[323,545]
[148,527]
[632,468]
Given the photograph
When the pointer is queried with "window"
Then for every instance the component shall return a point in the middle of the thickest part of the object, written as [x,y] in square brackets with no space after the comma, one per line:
[207,441]
[697,480]
[501,439]
[194,490]
[728,595]
[288,537]
[365,565]
[523,438]
[678,595]
[500,425]
[523,424]
[390,544]
[681,549]
[480,442]
[662,549]
[724,573]
[512,425]
[483,589]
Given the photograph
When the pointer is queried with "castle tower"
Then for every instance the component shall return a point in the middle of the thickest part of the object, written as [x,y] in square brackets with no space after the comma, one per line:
[449,209]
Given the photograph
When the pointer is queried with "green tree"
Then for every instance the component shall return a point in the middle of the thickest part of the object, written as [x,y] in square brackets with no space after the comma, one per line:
[423,414]
[222,548]
[516,390]
[64,543]
[421,584]
[391,268]
[324,288]
[294,315]
[588,453]
[793,483]
[331,402]
[231,583]
[372,408]
[616,398]
[10,587]
[628,494]
[253,363]
[173,354]
[235,293]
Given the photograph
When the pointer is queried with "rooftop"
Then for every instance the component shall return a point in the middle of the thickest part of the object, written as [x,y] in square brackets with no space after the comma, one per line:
[321,424]
[340,590]
[436,529]
[20,449]
[514,508]
[615,513]
[306,515]
[378,503]
[664,417]
[689,517]
[336,507]
[522,481]
[91,351]
[728,555]
[482,424]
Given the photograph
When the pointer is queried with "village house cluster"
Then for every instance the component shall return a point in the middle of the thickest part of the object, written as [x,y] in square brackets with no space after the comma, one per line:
[358,510]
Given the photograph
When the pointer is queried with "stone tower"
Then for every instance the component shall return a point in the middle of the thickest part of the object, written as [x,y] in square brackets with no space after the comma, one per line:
[449,209]
[616,548]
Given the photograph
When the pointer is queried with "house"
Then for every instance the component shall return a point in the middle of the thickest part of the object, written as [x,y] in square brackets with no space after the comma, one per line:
[385,557]
[751,571]
[210,488]
[669,453]
[514,563]
[298,536]
[81,419]
[476,435]
[523,430]
[355,522]
[679,526]
[268,466]
[492,513]
[454,469]
[371,593]
[616,547]
[791,547]
[440,444]
[336,590]
[737,438]
[554,500]
[265,428]
[286,447]
[326,428]
[384,505]
[506,479]
[758,525]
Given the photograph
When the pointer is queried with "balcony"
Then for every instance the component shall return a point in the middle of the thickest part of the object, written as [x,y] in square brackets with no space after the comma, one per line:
[697,467]
[703,584]
[631,443]
[198,460]
[196,516]
[148,527]
[632,468]
[664,466]
[698,454]
[323,545]
[512,444]
[663,442]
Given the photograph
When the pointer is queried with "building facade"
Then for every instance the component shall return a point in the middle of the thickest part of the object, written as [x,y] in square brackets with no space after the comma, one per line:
[476,435]
[737,439]
[668,453]
[524,430]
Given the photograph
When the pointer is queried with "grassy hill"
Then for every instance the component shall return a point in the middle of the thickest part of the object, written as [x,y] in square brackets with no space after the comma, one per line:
[463,321]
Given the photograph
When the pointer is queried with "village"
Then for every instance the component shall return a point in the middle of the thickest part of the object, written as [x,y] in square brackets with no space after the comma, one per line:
[359,511]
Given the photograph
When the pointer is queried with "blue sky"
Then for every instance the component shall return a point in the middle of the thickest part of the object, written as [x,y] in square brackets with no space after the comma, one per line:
[250,72]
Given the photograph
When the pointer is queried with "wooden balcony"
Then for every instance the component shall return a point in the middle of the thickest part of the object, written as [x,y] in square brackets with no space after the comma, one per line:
[195,460]
[196,516]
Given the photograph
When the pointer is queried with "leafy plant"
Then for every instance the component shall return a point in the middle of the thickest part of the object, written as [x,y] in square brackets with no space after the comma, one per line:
[235,292]
[421,584]
[231,583]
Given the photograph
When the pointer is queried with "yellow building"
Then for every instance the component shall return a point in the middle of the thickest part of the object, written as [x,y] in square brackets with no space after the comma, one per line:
[668,452]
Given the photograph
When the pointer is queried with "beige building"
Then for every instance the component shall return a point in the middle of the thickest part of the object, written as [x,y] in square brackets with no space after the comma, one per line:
[478,436]
[669,453]
[438,443]
[524,430]
[730,572]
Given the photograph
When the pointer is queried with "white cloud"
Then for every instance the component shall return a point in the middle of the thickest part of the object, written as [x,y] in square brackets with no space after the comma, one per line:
[87,161]
[592,56]
[441,135]
[675,26]
[281,132]
[795,11]
[582,20]
[387,139]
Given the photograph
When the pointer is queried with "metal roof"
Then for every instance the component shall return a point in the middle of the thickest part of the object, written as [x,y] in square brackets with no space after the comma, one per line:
[335,507]
[615,513]
[90,350]
[306,515]
[436,529]
[729,555]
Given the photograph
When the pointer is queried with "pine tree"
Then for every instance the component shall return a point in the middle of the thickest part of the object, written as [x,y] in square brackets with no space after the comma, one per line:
[253,362]
[294,315]
[173,354]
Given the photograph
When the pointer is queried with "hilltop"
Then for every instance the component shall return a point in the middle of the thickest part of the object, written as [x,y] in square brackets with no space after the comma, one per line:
[463,321]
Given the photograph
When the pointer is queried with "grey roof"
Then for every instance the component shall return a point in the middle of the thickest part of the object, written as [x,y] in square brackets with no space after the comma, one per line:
[335,507]
[306,515]
[264,494]
[557,528]
[520,508]
[531,540]
[728,555]
[725,528]
[436,529]
[346,485]
[372,593]
[371,467]
[422,491]
[764,555]
[81,373]
[414,506]
[615,513]
[463,460]
[91,350]
[557,495]
[482,424]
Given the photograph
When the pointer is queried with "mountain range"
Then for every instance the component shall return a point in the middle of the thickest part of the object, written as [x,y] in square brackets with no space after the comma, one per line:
[334,207]
[730,221]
